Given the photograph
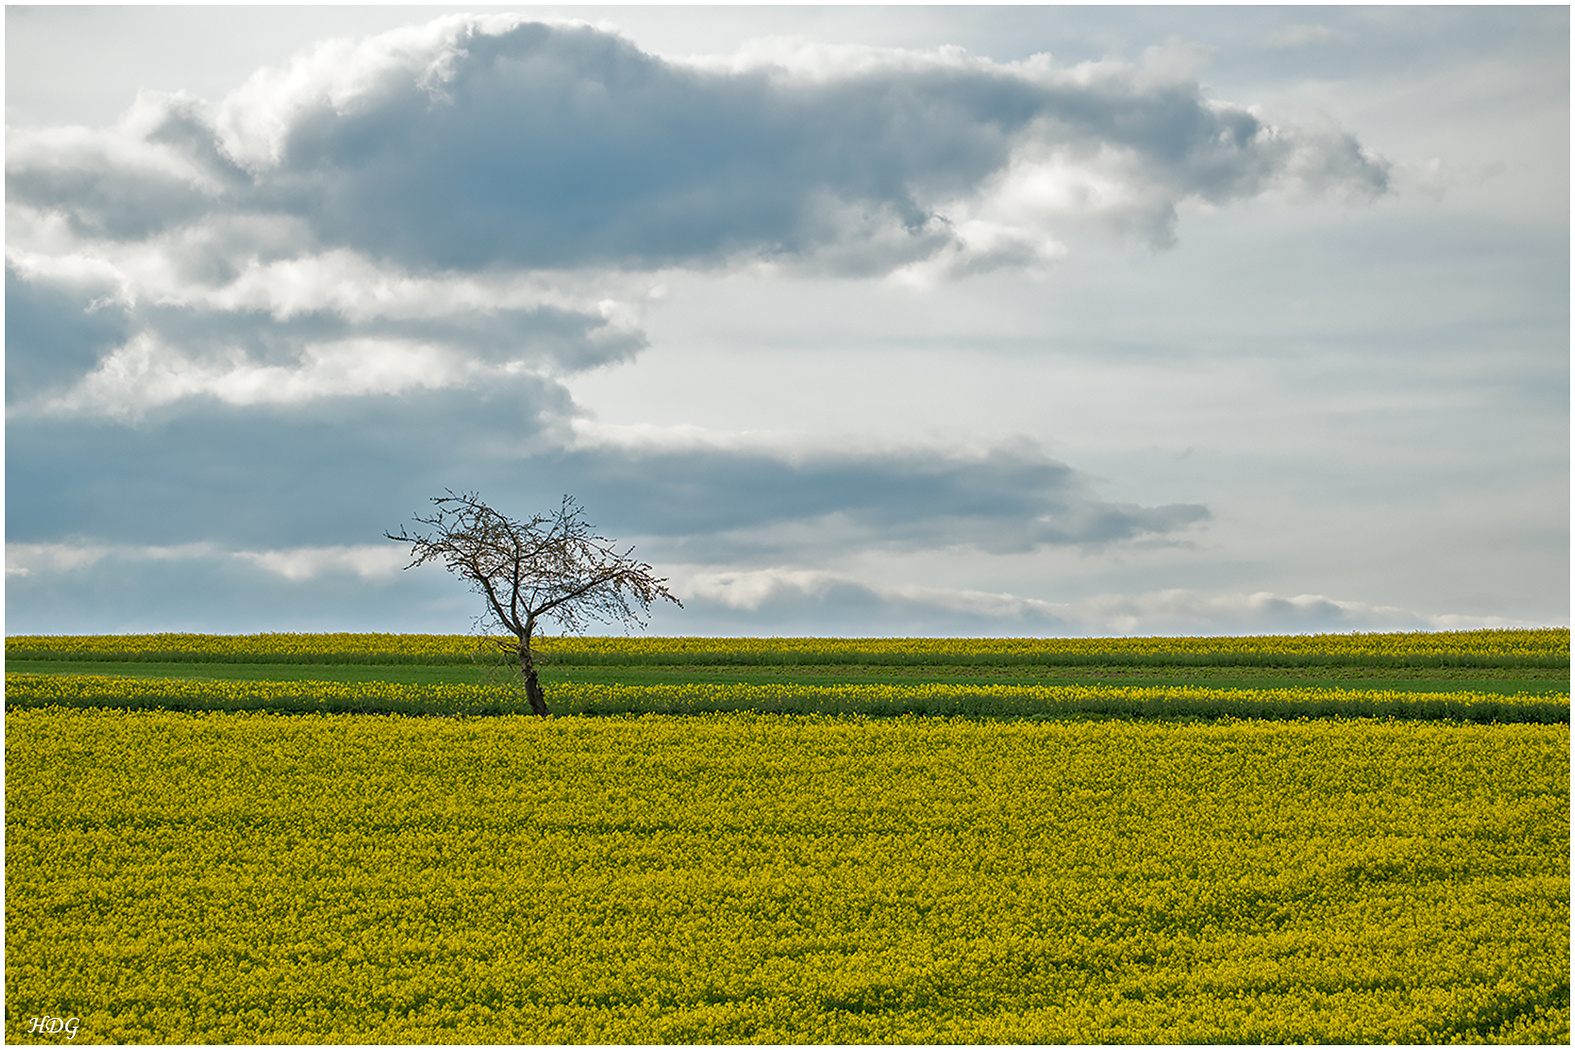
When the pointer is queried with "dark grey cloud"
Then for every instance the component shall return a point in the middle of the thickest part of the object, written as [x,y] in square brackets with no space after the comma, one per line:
[169,524]
[341,470]
[54,334]
[547,146]
[335,470]
[714,504]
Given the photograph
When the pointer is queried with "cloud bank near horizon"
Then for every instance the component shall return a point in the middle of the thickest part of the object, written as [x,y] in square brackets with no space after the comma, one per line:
[61,579]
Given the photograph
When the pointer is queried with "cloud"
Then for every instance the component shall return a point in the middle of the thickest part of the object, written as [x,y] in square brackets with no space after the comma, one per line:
[77,588]
[740,502]
[74,587]
[453,203]
[1189,612]
[366,561]
[257,331]
[121,344]
[269,474]
[470,143]
[54,335]
[369,562]
[275,473]
[1302,35]
[797,600]
[770,589]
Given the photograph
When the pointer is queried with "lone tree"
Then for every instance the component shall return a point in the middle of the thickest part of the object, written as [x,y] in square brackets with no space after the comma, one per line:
[553,566]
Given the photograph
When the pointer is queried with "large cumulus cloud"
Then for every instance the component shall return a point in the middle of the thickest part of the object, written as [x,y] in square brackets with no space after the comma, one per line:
[471,142]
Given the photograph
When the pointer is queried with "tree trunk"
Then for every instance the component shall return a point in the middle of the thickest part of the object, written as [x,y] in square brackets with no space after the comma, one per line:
[533,693]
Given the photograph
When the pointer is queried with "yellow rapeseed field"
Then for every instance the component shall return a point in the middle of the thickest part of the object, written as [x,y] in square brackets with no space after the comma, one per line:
[213,877]
[1544,643]
[303,647]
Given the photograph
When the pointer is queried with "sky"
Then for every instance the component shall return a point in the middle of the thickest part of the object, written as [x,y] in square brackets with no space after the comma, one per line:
[853,321]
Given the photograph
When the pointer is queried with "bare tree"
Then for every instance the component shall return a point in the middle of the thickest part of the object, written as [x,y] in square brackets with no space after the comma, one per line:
[553,566]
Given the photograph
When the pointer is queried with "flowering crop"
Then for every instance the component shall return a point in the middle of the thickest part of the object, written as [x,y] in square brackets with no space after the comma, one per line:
[250,648]
[241,877]
[1546,647]
[1548,643]
[66,690]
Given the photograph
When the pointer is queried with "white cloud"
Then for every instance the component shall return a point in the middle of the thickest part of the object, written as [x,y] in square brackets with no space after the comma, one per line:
[292,330]
[379,562]
[808,594]
[373,562]
[1302,34]
[1190,612]
[750,589]
[128,150]
[144,375]
[338,76]
[29,559]
[24,559]
[801,60]
[245,265]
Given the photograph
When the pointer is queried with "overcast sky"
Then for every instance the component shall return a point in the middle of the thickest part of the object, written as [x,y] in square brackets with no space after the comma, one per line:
[854,321]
